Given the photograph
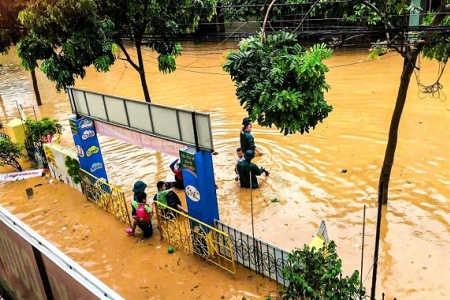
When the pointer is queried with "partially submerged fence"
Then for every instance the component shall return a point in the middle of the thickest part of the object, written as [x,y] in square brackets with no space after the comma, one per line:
[206,242]
[255,254]
[35,152]
[106,196]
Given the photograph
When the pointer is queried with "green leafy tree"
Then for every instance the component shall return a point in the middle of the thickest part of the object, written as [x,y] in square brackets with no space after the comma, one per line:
[279,83]
[66,37]
[317,275]
[157,25]
[38,130]
[70,35]
[427,40]
[10,152]
[73,168]
[11,31]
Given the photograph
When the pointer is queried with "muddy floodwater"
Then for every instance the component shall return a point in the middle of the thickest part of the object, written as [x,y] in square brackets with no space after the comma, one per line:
[305,173]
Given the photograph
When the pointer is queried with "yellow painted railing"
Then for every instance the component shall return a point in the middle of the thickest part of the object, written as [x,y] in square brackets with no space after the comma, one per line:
[204,241]
[106,196]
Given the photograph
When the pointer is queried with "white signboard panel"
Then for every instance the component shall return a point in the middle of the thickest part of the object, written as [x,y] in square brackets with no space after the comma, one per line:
[182,126]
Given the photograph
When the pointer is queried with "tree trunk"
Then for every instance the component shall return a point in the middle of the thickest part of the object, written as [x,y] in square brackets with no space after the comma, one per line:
[36,88]
[142,73]
[409,63]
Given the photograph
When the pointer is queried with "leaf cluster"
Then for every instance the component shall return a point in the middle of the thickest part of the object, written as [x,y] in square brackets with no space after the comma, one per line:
[10,152]
[157,24]
[36,130]
[439,46]
[316,274]
[73,169]
[10,28]
[67,36]
[348,11]
[279,83]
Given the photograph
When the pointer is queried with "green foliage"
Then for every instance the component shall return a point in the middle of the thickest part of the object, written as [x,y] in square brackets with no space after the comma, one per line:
[157,24]
[67,36]
[10,29]
[36,130]
[166,62]
[439,46]
[316,275]
[240,10]
[73,168]
[10,152]
[279,83]
[347,11]
[377,50]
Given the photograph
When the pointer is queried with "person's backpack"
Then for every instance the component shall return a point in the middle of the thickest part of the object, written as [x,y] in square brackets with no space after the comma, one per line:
[142,214]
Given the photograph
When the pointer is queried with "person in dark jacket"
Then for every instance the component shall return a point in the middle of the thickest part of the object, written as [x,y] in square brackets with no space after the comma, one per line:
[246,137]
[175,167]
[246,167]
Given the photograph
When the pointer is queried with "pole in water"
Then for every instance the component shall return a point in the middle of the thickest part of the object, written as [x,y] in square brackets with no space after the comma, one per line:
[377,242]
[253,225]
[362,252]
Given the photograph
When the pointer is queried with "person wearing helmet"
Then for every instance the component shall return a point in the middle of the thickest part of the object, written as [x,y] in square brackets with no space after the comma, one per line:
[247,168]
[170,181]
[246,137]
[175,167]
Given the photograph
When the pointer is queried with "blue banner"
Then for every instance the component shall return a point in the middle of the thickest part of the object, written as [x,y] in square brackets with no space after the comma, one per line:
[88,147]
[199,185]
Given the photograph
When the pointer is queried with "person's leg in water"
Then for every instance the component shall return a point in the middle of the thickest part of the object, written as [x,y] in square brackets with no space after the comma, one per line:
[131,231]
[147,229]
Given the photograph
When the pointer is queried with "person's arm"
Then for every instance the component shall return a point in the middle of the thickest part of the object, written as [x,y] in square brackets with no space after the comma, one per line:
[255,170]
[262,170]
[181,208]
[153,207]
[148,210]
[165,192]
[250,141]
[172,165]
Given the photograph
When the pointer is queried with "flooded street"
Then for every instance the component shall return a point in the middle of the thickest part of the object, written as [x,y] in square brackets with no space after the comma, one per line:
[306,175]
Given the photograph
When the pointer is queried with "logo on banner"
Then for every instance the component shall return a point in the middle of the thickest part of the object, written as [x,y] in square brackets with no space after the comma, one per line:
[80,151]
[193,193]
[92,150]
[87,123]
[96,166]
[88,134]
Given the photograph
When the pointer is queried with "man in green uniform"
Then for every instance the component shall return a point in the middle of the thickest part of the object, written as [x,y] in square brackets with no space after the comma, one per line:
[246,167]
[246,137]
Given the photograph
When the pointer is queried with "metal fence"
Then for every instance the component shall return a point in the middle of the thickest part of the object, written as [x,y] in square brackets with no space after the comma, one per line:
[105,196]
[35,152]
[205,242]
[255,254]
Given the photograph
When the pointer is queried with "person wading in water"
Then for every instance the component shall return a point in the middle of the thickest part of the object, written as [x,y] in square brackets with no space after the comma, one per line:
[246,137]
[246,167]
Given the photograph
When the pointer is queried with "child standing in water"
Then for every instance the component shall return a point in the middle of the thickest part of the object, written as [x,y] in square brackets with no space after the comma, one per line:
[240,154]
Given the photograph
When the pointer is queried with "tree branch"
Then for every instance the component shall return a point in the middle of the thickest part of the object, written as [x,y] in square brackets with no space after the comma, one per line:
[379,13]
[132,63]
[306,15]
[263,33]
[441,14]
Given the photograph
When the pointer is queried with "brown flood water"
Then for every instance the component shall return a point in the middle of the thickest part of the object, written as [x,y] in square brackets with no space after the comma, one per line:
[305,177]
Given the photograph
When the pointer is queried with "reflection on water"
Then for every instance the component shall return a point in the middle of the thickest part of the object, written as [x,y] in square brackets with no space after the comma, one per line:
[305,170]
